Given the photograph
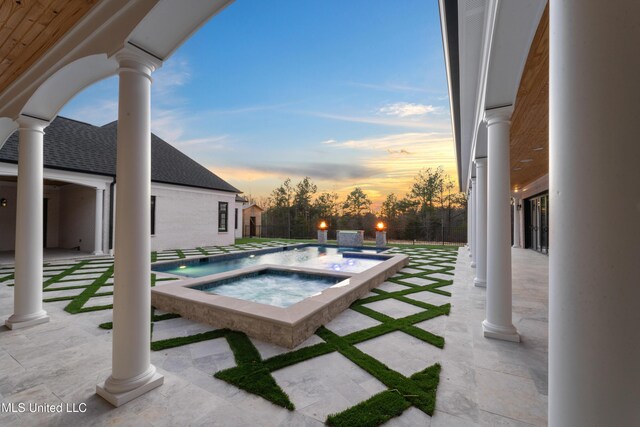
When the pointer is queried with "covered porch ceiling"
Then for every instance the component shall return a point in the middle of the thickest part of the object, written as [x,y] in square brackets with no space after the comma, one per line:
[529,138]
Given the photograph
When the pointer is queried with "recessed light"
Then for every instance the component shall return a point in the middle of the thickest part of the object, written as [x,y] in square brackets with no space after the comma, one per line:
[517,169]
[526,160]
[538,149]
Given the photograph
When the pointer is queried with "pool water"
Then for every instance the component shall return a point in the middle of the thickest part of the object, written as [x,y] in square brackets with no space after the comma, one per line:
[320,257]
[273,288]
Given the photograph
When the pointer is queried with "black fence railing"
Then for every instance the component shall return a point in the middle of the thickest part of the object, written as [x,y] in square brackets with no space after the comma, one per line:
[432,235]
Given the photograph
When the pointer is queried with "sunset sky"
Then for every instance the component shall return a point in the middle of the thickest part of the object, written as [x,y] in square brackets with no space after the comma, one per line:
[350,93]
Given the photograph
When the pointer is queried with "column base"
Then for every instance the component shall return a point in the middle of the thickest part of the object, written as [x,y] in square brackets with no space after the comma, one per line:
[97,253]
[516,246]
[500,333]
[119,399]
[15,322]
[480,283]
[473,264]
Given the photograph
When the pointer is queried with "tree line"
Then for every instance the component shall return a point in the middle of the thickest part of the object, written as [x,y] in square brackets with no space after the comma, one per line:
[431,205]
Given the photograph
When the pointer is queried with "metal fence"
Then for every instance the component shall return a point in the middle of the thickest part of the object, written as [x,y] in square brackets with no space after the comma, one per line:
[433,235]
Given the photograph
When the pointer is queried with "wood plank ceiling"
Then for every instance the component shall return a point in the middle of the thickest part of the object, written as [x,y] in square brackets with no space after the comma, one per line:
[28,28]
[529,138]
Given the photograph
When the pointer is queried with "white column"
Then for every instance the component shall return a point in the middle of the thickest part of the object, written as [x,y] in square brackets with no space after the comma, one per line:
[498,323]
[27,302]
[516,223]
[98,222]
[474,218]
[594,188]
[481,223]
[470,220]
[132,374]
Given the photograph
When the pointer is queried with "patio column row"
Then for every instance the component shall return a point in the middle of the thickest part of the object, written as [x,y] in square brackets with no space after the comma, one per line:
[594,189]
[481,223]
[474,215]
[516,222]
[27,302]
[132,373]
[498,323]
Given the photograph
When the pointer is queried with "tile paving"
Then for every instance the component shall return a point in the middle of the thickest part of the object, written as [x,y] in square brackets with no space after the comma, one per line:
[475,371]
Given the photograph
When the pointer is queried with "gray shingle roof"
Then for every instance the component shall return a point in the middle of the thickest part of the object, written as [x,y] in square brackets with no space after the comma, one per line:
[81,147]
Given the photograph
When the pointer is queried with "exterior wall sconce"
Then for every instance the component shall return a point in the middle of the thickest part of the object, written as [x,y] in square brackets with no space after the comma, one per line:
[3,202]
[519,206]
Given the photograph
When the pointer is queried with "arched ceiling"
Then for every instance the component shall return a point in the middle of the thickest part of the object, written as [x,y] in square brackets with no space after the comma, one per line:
[28,28]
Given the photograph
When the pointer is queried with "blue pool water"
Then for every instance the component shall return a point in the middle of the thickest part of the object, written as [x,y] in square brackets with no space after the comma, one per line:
[275,288]
[325,258]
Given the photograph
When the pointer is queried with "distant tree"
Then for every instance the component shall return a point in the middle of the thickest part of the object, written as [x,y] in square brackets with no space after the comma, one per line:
[357,203]
[389,209]
[303,193]
[281,198]
[326,205]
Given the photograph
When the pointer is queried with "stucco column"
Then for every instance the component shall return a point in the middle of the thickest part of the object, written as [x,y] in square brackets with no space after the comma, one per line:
[470,220]
[594,189]
[498,323]
[132,373]
[98,222]
[516,223]
[27,300]
[474,217]
[481,223]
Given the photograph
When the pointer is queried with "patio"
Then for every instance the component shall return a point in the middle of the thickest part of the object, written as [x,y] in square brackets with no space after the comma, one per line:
[482,382]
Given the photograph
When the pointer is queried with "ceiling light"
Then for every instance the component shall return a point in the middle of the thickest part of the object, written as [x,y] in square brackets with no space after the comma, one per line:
[526,160]
[538,149]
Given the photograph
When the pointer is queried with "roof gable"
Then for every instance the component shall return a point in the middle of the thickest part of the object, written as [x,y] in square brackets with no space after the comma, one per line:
[81,147]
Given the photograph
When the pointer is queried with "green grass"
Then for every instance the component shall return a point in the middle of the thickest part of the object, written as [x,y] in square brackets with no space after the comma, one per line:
[374,411]
[76,306]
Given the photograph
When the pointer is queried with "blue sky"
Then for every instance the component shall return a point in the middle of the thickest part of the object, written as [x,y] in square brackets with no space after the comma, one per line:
[350,93]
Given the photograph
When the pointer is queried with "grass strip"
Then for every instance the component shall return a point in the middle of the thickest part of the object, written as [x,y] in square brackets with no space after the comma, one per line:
[421,398]
[6,278]
[66,272]
[180,254]
[202,251]
[156,318]
[251,375]
[374,411]
[76,306]
[180,341]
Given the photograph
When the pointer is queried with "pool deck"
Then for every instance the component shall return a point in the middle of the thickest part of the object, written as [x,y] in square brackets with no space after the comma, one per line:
[483,381]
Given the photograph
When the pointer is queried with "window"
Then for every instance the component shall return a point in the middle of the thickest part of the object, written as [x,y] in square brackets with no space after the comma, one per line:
[223,208]
[236,218]
[153,215]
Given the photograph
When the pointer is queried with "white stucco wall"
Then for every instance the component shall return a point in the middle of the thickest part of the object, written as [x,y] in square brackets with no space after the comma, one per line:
[238,225]
[188,217]
[52,194]
[77,217]
[8,216]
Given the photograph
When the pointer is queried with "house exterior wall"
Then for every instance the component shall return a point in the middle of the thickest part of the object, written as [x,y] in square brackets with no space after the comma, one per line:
[52,194]
[538,186]
[238,225]
[77,217]
[8,216]
[188,217]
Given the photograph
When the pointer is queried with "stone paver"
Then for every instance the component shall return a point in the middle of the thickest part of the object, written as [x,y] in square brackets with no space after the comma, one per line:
[394,308]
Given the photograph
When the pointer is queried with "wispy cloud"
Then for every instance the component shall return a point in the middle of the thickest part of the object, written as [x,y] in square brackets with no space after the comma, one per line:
[399,122]
[329,141]
[407,109]
[391,87]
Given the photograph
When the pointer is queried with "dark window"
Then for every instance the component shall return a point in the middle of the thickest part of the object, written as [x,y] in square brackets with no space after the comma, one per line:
[236,218]
[223,208]
[153,215]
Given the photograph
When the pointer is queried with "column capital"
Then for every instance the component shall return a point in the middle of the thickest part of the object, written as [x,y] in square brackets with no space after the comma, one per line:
[481,163]
[498,115]
[31,123]
[132,58]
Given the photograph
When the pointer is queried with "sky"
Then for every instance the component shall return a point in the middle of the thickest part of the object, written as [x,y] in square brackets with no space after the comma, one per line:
[350,93]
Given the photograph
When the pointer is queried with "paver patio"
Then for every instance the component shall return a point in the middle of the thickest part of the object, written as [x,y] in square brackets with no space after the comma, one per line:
[482,382]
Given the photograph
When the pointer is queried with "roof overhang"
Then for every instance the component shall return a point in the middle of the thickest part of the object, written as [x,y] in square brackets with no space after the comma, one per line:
[493,42]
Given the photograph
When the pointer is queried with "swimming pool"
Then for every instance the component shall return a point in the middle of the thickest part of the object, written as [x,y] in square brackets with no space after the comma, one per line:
[310,256]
